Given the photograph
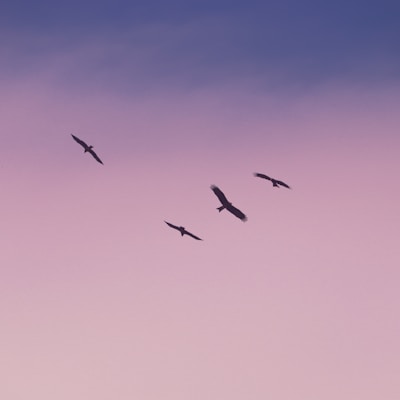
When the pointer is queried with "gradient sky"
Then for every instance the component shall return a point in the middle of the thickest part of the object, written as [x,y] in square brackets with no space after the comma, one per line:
[99,299]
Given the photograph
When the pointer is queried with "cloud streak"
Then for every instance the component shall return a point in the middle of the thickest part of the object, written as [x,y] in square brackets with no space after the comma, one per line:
[272,46]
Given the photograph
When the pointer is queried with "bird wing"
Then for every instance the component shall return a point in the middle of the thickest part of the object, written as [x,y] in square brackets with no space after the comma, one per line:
[236,212]
[95,156]
[283,184]
[193,236]
[172,226]
[262,176]
[218,192]
[81,142]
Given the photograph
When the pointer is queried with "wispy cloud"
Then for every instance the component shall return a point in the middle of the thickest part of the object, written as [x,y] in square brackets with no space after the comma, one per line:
[270,46]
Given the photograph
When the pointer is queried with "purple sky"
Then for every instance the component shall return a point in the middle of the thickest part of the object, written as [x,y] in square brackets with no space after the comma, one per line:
[100,299]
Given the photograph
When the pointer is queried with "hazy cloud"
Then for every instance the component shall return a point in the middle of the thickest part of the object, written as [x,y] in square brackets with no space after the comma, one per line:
[135,47]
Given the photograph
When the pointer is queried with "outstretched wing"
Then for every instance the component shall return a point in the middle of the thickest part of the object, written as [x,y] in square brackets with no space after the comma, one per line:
[262,176]
[236,212]
[81,142]
[172,226]
[283,184]
[95,156]
[218,192]
[193,236]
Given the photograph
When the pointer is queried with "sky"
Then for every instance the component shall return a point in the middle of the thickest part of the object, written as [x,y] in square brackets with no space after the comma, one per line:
[100,299]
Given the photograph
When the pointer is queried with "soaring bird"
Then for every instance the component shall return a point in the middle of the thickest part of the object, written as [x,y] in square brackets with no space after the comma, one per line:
[275,182]
[226,204]
[182,230]
[87,148]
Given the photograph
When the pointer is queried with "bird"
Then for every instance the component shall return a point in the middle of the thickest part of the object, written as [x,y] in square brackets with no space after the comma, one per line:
[87,148]
[182,230]
[275,182]
[226,204]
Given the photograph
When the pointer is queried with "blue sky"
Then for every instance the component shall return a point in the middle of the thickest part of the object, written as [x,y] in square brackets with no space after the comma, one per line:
[195,43]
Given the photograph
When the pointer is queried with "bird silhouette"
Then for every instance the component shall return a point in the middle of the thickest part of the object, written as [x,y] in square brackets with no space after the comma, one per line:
[275,182]
[87,148]
[226,204]
[182,230]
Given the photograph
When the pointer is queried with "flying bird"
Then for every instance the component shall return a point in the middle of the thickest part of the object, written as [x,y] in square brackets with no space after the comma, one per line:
[226,204]
[87,148]
[275,182]
[182,230]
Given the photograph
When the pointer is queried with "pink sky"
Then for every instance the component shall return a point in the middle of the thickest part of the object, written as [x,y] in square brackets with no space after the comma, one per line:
[101,300]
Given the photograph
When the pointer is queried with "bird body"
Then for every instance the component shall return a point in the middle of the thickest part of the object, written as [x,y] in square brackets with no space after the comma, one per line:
[182,230]
[226,205]
[275,182]
[87,148]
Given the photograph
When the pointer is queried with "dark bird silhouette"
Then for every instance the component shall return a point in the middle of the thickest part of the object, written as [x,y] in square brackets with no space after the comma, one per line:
[275,182]
[87,148]
[182,230]
[226,204]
